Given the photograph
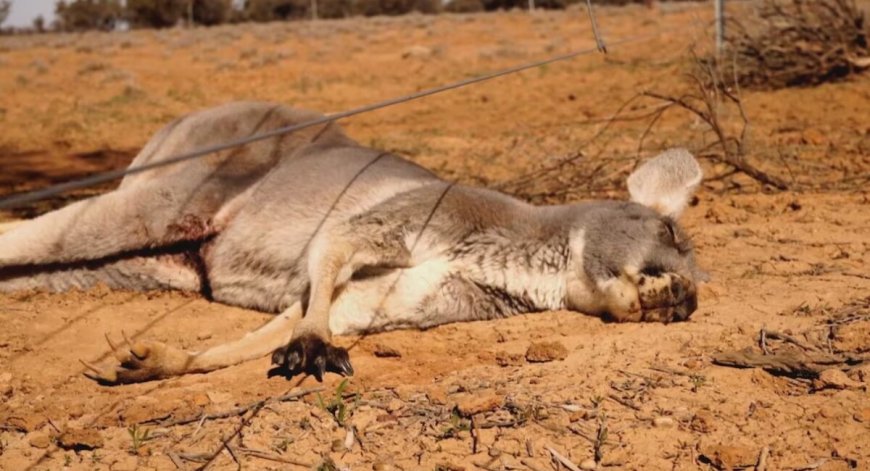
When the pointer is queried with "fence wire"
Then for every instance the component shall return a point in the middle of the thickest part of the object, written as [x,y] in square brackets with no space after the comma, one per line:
[36,195]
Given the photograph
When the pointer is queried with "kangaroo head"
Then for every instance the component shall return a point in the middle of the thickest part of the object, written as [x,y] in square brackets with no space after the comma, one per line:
[642,236]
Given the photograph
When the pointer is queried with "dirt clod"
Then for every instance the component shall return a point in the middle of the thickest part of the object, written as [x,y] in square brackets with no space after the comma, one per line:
[80,439]
[724,456]
[504,359]
[542,352]
[835,379]
[386,351]
[703,422]
[475,404]
[40,441]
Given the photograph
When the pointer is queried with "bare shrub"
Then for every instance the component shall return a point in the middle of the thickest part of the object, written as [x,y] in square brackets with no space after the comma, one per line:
[800,43]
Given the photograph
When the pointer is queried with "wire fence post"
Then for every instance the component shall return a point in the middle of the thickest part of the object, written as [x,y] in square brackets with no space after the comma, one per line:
[531,5]
[719,6]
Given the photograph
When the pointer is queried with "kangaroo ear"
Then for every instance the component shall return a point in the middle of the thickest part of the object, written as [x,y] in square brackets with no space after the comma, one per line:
[666,183]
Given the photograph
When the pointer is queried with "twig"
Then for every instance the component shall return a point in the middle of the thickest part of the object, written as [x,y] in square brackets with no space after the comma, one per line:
[176,460]
[225,442]
[238,410]
[624,402]
[562,460]
[264,455]
[772,334]
[761,464]
[232,453]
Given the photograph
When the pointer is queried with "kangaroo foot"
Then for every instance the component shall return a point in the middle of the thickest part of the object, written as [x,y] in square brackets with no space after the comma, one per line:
[310,354]
[138,362]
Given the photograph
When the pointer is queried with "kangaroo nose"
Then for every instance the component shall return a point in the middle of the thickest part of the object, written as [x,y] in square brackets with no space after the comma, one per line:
[685,295]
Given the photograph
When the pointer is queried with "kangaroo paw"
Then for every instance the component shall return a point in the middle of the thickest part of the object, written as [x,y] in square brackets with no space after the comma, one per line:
[310,354]
[138,362]
[668,297]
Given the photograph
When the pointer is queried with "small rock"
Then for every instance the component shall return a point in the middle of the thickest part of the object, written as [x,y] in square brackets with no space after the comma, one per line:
[469,406]
[863,415]
[830,411]
[437,395]
[542,352]
[814,137]
[383,466]
[200,400]
[204,336]
[503,359]
[79,439]
[663,422]
[75,411]
[836,379]
[338,445]
[588,464]
[417,52]
[395,405]
[219,397]
[26,422]
[703,422]
[728,456]
[40,441]
[386,351]
[125,463]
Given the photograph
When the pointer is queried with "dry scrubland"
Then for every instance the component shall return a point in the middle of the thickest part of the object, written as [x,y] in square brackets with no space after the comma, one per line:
[459,396]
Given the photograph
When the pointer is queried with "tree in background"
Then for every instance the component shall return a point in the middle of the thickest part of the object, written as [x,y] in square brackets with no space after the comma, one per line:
[39,24]
[80,15]
[5,6]
[274,10]
[156,13]
[211,12]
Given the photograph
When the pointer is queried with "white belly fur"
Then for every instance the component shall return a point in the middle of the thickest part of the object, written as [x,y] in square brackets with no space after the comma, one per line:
[388,302]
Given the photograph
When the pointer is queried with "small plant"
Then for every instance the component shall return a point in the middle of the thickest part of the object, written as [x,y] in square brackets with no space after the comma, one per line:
[138,436]
[456,425]
[327,465]
[282,444]
[336,404]
[596,401]
[698,381]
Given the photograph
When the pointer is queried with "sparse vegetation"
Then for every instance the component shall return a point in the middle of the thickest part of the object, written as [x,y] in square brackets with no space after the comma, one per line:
[336,404]
[138,436]
[799,43]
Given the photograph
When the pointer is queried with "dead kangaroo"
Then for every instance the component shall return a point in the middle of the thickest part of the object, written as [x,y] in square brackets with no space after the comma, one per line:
[342,239]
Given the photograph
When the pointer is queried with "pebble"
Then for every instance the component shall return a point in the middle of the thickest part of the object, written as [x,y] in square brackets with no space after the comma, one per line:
[40,441]
[663,422]
[589,464]
[542,352]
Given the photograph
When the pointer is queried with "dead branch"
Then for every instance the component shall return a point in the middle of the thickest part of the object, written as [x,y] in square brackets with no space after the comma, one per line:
[791,364]
[706,108]
[238,410]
